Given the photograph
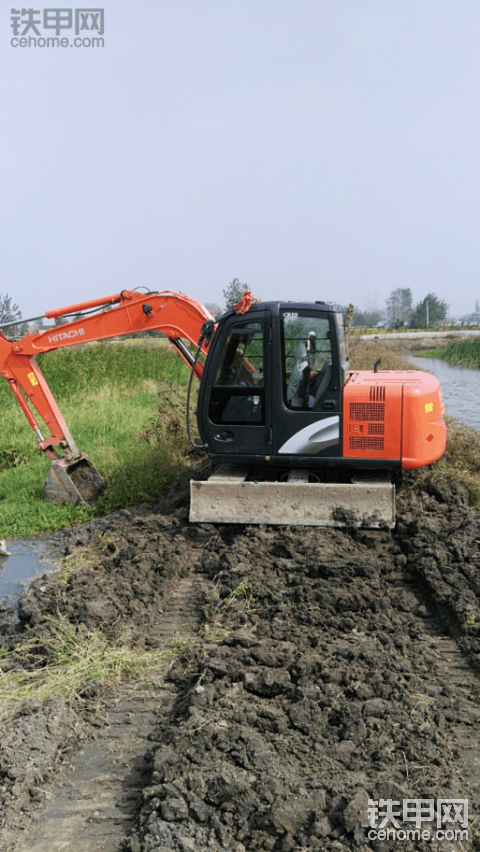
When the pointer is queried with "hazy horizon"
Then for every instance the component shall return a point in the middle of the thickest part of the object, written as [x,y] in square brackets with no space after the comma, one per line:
[314,150]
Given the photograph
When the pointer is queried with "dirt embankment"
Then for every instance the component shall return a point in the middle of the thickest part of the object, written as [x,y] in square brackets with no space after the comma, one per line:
[410,342]
[416,341]
[324,674]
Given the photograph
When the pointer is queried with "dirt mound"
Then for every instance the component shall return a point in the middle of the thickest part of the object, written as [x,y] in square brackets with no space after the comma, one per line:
[322,677]
[326,691]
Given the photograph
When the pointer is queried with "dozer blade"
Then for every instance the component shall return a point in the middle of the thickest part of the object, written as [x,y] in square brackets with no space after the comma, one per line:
[228,497]
[73,482]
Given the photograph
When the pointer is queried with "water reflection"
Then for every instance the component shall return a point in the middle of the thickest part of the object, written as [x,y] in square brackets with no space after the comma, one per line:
[29,557]
[460,387]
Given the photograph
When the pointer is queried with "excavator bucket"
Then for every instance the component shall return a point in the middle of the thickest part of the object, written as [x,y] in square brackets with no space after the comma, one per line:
[75,481]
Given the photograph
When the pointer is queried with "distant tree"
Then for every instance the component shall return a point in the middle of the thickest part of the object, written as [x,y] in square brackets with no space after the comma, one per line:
[214,309]
[428,312]
[8,312]
[347,313]
[365,319]
[21,330]
[233,293]
[399,306]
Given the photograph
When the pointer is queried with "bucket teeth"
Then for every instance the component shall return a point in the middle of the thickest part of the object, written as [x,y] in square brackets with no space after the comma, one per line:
[73,482]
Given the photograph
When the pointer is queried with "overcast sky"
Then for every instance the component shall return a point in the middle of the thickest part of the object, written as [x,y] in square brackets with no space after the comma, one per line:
[315,149]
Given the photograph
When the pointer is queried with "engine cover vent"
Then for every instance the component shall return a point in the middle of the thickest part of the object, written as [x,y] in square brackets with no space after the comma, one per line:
[366,443]
[367,411]
[377,393]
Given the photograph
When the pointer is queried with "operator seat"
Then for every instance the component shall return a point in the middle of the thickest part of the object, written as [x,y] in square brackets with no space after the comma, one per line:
[297,390]
[322,382]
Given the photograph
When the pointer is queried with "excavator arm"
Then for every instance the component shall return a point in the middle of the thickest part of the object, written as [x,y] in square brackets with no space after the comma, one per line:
[73,475]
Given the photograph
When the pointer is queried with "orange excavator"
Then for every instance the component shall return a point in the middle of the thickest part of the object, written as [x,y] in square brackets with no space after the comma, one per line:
[298,437]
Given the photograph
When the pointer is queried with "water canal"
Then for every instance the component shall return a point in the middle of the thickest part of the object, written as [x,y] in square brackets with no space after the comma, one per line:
[460,387]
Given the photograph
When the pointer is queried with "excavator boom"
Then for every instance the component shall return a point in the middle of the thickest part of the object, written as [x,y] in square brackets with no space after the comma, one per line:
[72,476]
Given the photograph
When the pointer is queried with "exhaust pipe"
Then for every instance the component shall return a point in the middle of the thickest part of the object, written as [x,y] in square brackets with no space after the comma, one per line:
[76,481]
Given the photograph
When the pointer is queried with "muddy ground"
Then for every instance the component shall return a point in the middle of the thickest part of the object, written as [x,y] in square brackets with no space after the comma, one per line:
[329,668]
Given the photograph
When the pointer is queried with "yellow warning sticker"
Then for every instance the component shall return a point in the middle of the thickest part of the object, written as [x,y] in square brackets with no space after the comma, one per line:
[33,378]
[428,407]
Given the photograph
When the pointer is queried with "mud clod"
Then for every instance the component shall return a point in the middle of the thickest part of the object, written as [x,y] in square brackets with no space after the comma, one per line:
[329,668]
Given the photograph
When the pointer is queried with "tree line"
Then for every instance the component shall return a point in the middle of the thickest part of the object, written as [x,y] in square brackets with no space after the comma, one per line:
[400,311]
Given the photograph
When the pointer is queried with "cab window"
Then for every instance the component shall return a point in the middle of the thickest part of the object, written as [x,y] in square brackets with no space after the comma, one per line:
[307,359]
[238,394]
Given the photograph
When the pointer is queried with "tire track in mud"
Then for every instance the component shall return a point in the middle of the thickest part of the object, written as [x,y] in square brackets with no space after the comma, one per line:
[337,684]
[97,796]
[448,672]
[462,680]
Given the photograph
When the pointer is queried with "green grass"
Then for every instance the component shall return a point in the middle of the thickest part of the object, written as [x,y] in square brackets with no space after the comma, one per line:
[431,353]
[463,353]
[63,663]
[125,408]
[461,461]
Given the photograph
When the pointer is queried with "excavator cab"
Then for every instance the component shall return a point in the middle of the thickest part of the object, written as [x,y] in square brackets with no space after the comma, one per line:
[272,386]
[300,438]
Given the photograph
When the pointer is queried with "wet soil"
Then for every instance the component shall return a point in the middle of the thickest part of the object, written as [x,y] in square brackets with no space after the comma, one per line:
[328,667]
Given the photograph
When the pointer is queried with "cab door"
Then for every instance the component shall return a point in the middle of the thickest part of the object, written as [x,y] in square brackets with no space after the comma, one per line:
[234,408]
[307,395]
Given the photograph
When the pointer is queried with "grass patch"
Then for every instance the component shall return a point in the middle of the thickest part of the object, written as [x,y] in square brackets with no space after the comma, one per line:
[363,354]
[11,458]
[125,407]
[64,663]
[461,461]
[463,353]
[431,353]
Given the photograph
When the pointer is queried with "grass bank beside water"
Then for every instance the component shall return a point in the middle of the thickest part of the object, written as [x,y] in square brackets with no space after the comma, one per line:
[463,353]
[125,407]
[460,353]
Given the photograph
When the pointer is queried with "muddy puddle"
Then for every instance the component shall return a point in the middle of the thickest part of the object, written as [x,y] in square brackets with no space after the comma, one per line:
[28,558]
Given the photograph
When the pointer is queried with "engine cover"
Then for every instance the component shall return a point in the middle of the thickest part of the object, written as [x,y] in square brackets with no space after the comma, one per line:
[393,415]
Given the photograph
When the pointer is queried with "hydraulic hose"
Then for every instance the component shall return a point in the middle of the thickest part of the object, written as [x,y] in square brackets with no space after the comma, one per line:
[206,335]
